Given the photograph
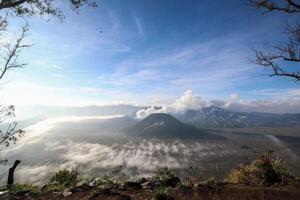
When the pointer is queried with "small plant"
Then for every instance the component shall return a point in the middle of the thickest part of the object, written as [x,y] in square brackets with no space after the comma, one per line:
[210,182]
[65,177]
[24,188]
[61,180]
[162,194]
[266,170]
[167,177]
[164,173]
[105,180]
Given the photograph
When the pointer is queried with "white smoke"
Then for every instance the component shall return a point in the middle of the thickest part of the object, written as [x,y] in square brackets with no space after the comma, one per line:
[233,102]
[187,101]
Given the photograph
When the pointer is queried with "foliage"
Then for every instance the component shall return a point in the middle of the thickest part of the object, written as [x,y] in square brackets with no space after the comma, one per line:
[104,180]
[164,174]
[65,177]
[24,188]
[210,182]
[166,177]
[162,194]
[266,170]
[23,8]
[10,133]
[12,46]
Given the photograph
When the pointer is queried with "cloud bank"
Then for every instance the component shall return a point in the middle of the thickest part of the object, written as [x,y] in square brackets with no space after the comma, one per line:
[233,102]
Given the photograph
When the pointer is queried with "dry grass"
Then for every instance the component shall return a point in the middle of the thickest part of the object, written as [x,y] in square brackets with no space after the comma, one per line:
[265,170]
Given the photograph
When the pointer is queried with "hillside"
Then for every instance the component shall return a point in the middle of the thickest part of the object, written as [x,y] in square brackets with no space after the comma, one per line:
[161,125]
[215,117]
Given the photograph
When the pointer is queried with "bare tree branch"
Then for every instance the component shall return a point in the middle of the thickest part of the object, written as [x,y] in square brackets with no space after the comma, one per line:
[41,7]
[10,134]
[269,60]
[13,52]
[10,4]
[286,6]
[278,56]
[10,52]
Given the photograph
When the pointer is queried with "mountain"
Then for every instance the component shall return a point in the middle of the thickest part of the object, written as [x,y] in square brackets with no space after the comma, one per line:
[215,117]
[160,125]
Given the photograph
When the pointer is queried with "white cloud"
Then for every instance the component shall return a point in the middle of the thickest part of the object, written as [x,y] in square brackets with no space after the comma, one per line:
[27,93]
[138,24]
[187,101]
[147,111]
[234,102]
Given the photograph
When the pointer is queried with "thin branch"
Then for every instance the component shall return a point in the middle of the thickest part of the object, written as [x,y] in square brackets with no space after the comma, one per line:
[289,6]
[268,60]
[10,61]
[10,4]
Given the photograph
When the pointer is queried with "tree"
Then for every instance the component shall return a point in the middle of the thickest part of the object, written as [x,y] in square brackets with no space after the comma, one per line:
[10,51]
[283,59]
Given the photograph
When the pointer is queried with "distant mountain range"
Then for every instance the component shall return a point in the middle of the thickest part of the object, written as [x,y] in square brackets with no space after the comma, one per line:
[215,117]
[161,125]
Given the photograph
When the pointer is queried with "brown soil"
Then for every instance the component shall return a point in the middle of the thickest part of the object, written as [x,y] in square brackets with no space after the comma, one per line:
[223,192]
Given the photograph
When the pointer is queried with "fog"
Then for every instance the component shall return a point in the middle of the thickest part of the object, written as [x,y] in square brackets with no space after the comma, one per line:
[95,146]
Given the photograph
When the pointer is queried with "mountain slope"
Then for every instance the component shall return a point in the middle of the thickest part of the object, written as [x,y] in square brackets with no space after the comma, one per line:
[161,125]
[215,117]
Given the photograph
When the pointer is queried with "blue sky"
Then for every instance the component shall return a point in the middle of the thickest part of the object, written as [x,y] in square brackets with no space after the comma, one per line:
[148,52]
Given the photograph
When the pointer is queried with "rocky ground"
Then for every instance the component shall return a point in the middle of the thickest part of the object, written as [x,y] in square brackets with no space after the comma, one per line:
[143,190]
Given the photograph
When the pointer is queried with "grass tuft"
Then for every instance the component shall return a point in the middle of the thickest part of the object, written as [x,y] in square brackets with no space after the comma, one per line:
[24,188]
[162,194]
[264,170]
[65,177]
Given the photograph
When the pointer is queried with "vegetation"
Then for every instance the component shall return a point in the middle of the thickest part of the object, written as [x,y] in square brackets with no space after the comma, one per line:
[210,182]
[65,177]
[61,180]
[162,194]
[166,177]
[265,170]
[24,188]
[11,49]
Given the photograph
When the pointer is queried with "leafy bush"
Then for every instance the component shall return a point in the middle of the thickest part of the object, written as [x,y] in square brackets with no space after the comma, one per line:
[210,182]
[266,169]
[162,194]
[104,180]
[166,177]
[164,174]
[24,188]
[65,177]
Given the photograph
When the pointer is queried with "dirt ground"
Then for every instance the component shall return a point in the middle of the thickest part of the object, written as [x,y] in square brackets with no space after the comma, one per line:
[223,192]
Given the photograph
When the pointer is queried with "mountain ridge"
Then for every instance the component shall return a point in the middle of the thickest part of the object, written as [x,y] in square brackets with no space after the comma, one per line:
[162,125]
[216,117]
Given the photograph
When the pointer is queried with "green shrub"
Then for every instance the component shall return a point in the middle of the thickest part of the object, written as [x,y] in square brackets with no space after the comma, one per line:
[65,177]
[24,188]
[50,187]
[104,180]
[210,182]
[164,174]
[266,170]
[162,194]
[167,177]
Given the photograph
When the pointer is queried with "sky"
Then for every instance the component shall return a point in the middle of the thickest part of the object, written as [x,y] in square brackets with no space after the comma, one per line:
[148,52]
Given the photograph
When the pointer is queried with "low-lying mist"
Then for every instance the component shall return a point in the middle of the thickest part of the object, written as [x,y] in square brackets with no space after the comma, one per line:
[95,146]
